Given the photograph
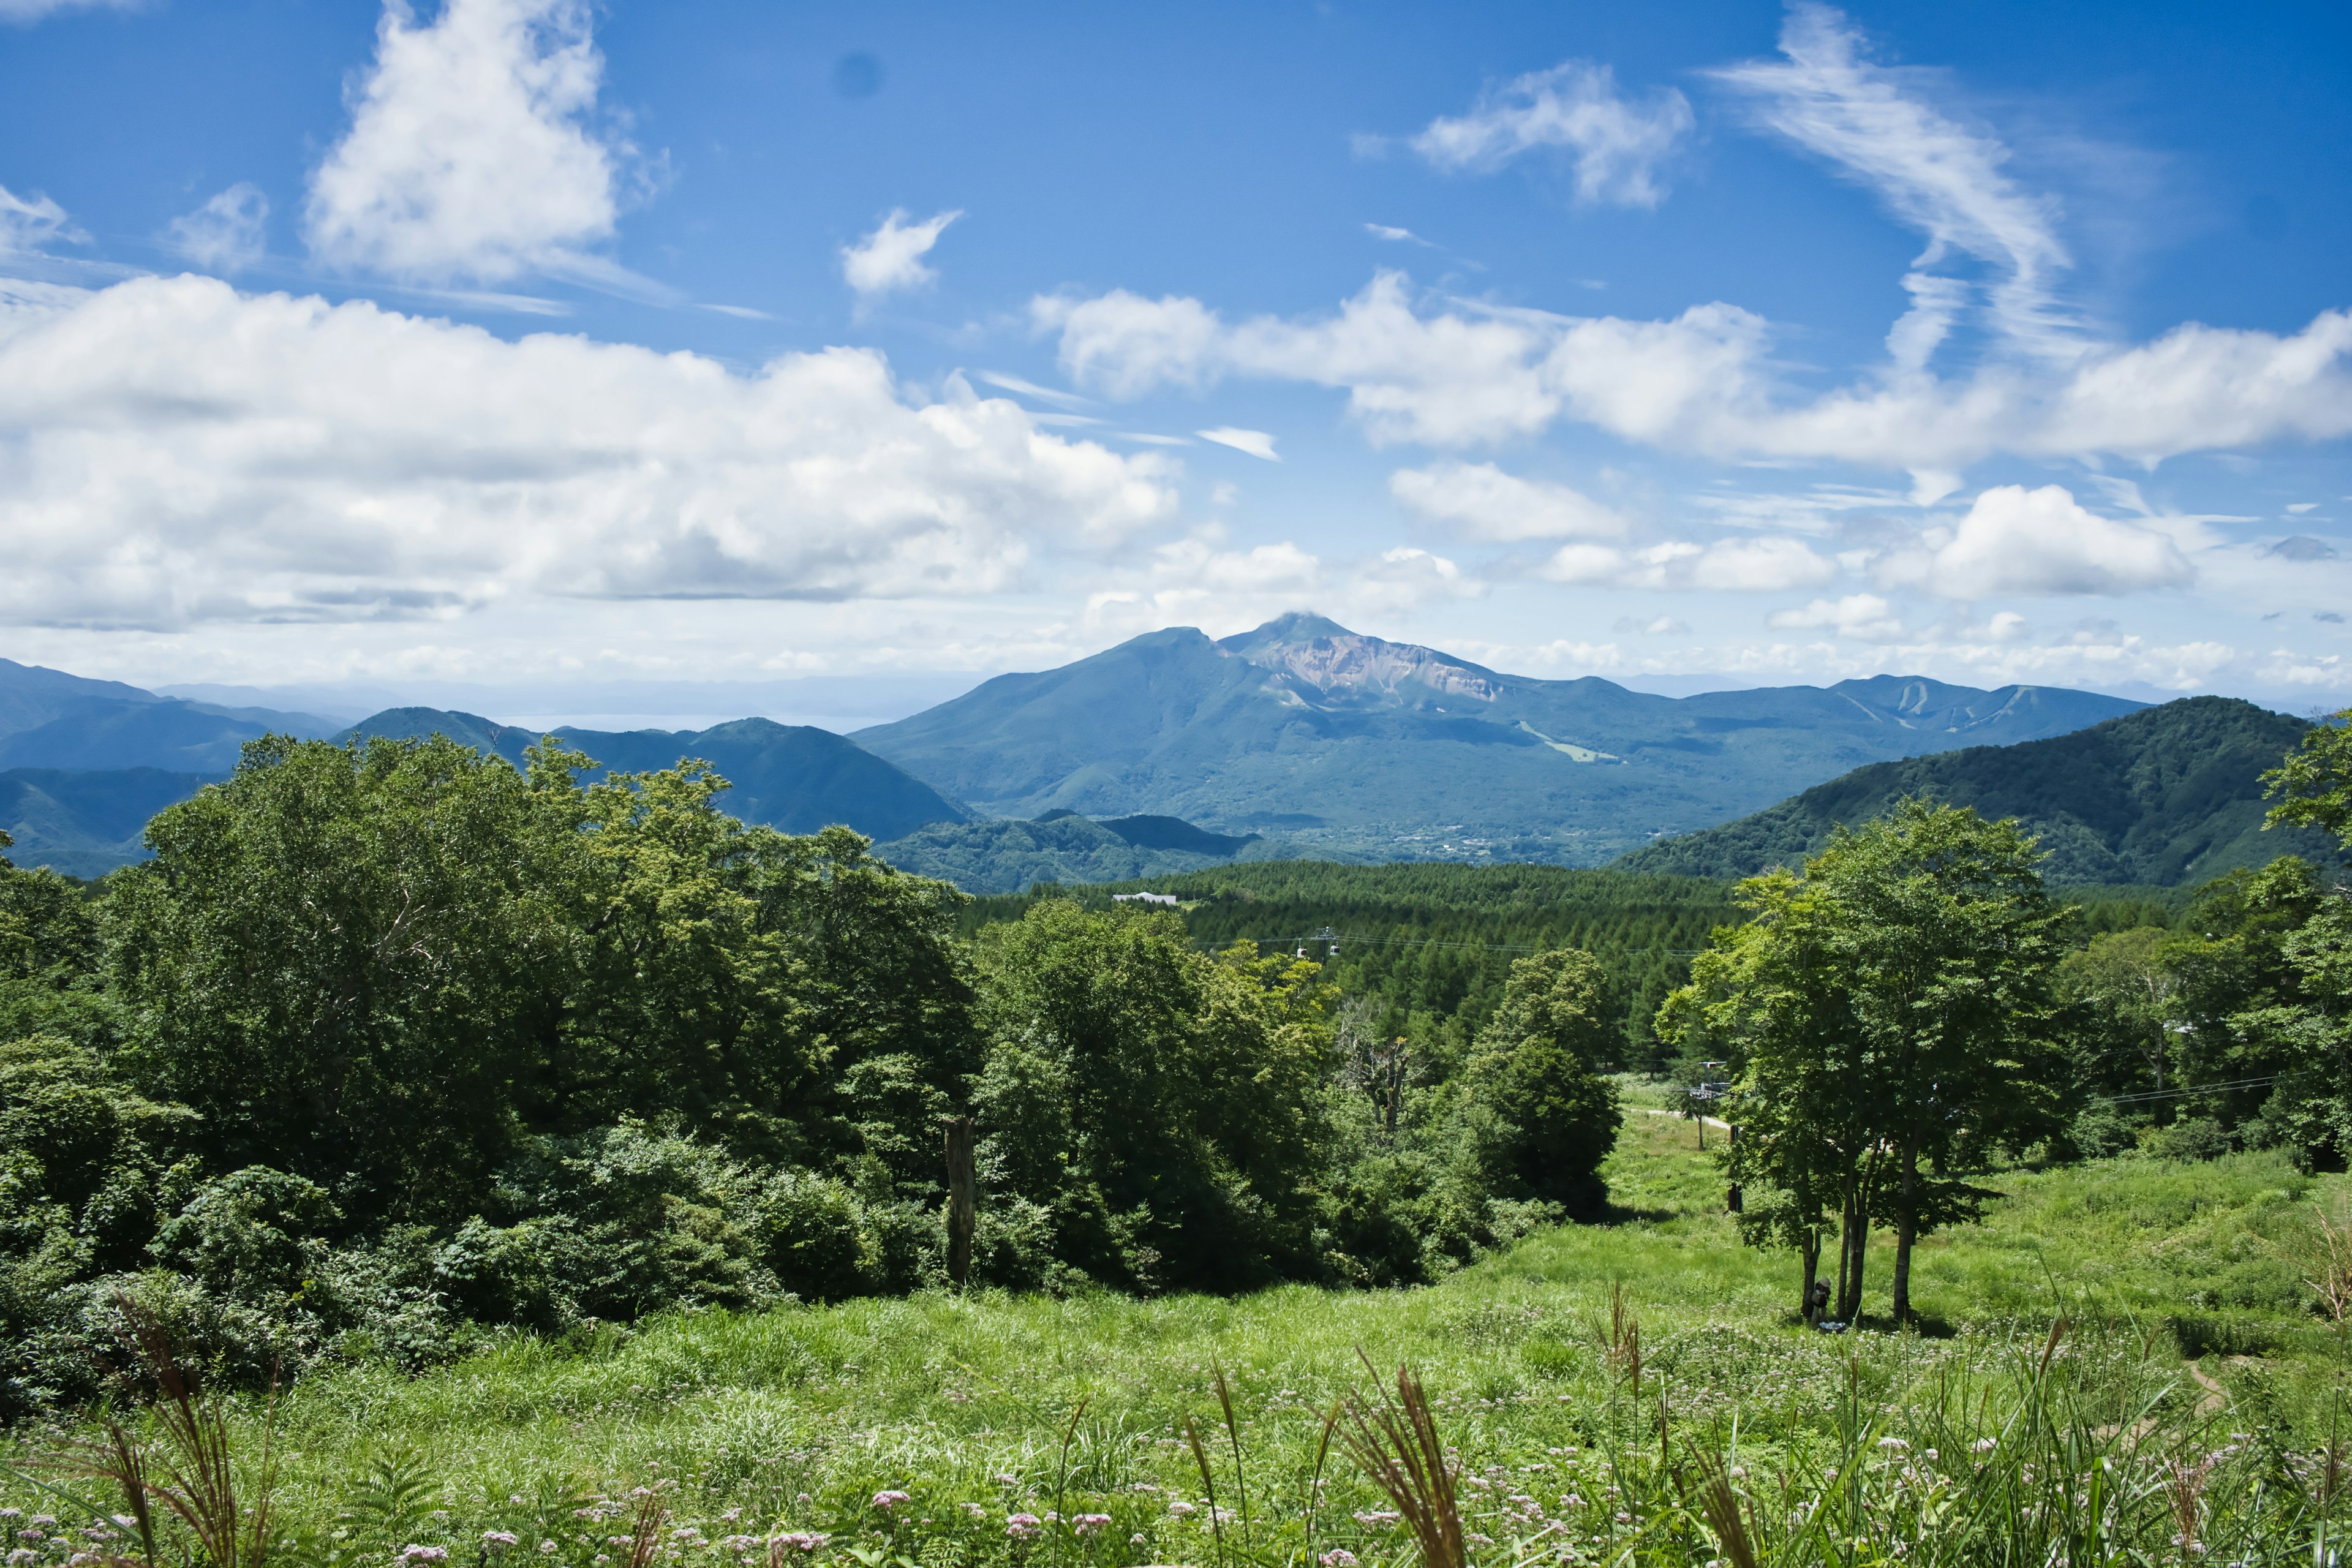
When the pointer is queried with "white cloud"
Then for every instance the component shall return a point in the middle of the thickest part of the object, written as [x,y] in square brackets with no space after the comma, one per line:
[1740,565]
[1485,503]
[890,259]
[1406,578]
[1934,174]
[229,233]
[1615,143]
[471,154]
[1383,231]
[1031,389]
[1705,382]
[172,453]
[2016,540]
[1864,618]
[28,225]
[1256,443]
[1124,346]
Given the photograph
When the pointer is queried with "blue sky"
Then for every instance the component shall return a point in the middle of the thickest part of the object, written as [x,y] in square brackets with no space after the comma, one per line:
[531,345]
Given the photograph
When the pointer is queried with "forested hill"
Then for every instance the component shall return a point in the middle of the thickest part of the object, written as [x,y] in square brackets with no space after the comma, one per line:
[789,776]
[2164,797]
[1003,856]
[1432,942]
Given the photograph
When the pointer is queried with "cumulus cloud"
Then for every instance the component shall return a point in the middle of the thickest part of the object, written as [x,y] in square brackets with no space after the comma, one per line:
[1407,578]
[1738,565]
[471,153]
[1876,127]
[890,259]
[1485,503]
[1616,143]
[1453,373]
[2016,540]
[1256,443]
[1865,617]
[29,224]
[227,234]
[171,453]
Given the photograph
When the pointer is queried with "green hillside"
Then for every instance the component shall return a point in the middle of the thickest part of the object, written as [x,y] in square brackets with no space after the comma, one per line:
[1000,855]
[2162,797]
[85,823]
[1352,745]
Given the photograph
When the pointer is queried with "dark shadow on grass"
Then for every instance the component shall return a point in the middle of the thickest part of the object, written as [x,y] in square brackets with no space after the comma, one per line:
[1618,1213]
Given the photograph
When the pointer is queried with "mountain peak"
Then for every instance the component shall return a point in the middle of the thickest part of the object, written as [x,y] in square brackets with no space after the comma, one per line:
[1312,651]
[1293,627]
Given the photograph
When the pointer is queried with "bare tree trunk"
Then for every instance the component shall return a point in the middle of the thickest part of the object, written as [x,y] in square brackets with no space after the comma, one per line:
[1847,1289]
[1812,1251]
[1906,1230]
[963,1200]
[1857,1252]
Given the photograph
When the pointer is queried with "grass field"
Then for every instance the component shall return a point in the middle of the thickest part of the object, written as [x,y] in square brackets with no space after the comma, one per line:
[1599,1382]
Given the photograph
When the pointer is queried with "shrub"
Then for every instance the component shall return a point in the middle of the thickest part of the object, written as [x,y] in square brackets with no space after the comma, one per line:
[2191,1137]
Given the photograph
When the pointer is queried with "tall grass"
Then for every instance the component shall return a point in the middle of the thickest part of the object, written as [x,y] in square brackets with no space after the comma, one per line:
[1637,1392]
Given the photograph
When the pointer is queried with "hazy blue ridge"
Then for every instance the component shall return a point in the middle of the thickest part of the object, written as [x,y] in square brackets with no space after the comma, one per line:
[1353,744]
[793,777]
[2162,797]
[86,824]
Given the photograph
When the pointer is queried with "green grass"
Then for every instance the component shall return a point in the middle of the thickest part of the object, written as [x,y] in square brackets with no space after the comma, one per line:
[991,1406]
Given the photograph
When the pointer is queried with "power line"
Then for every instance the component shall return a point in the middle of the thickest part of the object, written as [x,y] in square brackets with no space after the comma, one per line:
[2201,1088]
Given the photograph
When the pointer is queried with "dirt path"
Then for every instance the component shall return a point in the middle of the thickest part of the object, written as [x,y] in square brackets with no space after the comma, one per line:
[2216,1396]
[1654,1110]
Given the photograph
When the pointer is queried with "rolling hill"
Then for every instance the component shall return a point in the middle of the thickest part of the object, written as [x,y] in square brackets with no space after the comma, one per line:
[788,777]
[84,763]
[2163,797]
[1350,743]
[1005,857]
[86,824]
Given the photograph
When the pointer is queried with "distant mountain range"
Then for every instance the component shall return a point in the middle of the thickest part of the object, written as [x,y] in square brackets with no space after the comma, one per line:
[1173,751]
[1371,749]
[2166,796]
[788,777]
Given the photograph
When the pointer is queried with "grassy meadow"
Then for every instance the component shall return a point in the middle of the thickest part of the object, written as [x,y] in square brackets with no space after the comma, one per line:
[1631,1392]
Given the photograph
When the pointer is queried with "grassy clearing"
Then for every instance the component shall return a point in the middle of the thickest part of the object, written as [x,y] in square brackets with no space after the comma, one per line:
[1583,1434]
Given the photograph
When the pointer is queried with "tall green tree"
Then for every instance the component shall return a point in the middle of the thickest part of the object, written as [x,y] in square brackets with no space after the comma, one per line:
[1771,998]
[1158,1103]
[347,960]
[2305,1026]
[2314,781]
[1950,943]
[376,966]
[1542,1114]
[1896,1016]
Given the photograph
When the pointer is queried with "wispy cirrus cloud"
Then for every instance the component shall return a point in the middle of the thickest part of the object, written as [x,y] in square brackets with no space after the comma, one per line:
[29,224]
[1616,145]
[227,234]
[1878,126]
[889,260]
